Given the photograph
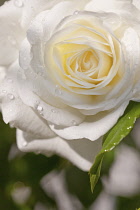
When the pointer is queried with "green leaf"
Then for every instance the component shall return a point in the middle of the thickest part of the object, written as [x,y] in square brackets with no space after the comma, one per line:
[120,130]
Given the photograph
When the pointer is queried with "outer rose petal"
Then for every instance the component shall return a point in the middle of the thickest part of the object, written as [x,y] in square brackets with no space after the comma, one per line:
[107,5]
[93,128]
[32,94]
[46,21]
[11,33]
[34,7]
[23,117]
[79,152]
[15,112]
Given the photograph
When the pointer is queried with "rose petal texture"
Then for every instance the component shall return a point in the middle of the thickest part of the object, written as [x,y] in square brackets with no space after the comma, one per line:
[34,7]
[116,6]
[70,84]
[80,152]
[16,112]
[11,32]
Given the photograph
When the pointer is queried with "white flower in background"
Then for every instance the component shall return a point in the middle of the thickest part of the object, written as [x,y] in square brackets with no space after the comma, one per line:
[71,69]
[124,174]
[104,201]
[20,193]
[54,184]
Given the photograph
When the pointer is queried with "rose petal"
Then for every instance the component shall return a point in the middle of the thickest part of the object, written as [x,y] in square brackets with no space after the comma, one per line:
[34,7]
[2,73]
[107,6]
[11,33]
[23,117]
[92,128]
[136,4]
[32,92]
[79,152]
[15,112]
[49,19]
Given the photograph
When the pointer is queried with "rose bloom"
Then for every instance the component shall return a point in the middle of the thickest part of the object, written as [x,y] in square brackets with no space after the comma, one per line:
[68,71]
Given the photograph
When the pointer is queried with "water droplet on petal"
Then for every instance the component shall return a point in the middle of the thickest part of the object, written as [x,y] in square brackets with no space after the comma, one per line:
[18,3]
[39,108]
[76,12]
[54,111]
[11,96]
[58,91]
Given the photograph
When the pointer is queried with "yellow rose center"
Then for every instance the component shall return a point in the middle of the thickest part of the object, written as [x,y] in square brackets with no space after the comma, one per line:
[84,57]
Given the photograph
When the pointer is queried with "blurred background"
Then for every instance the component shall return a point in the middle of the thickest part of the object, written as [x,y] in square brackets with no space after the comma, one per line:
[34,182]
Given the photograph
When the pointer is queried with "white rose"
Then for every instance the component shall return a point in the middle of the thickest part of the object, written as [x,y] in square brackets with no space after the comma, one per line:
[79,68]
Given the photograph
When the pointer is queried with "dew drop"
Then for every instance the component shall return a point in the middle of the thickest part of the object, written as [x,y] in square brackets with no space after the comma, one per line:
[18,3]
[128,128]
[54,111]
[11,96]
[111,148]
[129,118]
[76,12]
[39,108]
[58,91]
